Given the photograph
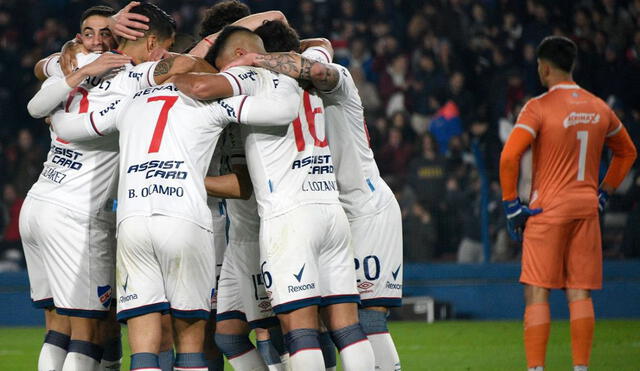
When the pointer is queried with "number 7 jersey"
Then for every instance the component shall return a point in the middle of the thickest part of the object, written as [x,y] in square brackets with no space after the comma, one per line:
[570,126]
[289,165]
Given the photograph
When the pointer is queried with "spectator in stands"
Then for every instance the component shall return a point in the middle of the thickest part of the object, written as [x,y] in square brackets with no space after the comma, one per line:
[10,247]
[394,156]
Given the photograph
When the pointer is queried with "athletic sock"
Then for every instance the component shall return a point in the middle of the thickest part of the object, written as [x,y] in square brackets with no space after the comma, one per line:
[537,324]
[304,350]
[144,362]
[328,351]
[166,360]
[54,351]
[270,355]
[355,350]
[190,361]
[582,326]
[112,356]
[240,352]
[83,356]
[216,364]
[277,340]
[374,325]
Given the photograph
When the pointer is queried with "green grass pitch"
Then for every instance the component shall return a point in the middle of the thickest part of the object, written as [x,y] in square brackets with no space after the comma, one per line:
[454,345]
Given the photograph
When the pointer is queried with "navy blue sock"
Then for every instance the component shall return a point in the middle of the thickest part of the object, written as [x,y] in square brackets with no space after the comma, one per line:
[347,336]
[58,339]
[144,360]
[268,352]
[301,339]
[373,321]
[233,345]
[190,360]
[87,348]
[328,350]
[216,364]
[166,360]
[113,349]
[277,339]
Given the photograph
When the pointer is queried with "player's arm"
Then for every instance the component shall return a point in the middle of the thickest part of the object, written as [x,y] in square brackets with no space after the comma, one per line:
[42,69]
[624,155]
[86,126]
[251,22]
[50,95]
[235,185]
[321,44]
[323,76]
[179,64]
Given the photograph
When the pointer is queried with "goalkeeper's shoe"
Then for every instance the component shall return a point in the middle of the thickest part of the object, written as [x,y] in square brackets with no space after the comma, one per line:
[517,215]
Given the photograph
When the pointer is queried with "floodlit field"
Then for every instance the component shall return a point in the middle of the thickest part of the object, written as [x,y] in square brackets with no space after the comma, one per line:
[455,345]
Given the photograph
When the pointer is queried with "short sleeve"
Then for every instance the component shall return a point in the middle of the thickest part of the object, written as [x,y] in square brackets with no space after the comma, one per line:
[318,54]
[615,125]
[52,67]
[243,80]
[142,75]
[529,118]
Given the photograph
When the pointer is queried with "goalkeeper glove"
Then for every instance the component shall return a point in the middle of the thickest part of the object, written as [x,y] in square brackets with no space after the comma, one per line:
[517,215]
[603,197]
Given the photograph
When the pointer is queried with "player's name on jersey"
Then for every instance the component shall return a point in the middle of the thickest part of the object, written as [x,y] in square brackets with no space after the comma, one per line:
[53,174]
[154,89]
[320,186]
[156,189]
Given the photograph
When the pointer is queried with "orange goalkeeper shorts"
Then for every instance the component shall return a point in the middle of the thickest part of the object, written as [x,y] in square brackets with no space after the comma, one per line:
[562,254]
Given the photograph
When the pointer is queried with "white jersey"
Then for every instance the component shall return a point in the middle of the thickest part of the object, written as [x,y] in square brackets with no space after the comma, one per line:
[215,203]
[83,176]
[166,144]
[244,222]
[289,165]
[362,190]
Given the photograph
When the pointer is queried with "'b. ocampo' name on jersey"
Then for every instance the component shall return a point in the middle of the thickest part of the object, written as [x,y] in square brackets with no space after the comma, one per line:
[159,189]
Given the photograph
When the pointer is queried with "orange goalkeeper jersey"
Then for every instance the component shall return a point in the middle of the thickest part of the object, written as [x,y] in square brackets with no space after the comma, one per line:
[570,126]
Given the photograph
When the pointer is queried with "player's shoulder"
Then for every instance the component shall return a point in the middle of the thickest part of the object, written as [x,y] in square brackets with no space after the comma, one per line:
[84,59]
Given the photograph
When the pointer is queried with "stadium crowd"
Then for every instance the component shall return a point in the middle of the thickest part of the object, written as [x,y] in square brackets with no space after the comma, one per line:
[441,81]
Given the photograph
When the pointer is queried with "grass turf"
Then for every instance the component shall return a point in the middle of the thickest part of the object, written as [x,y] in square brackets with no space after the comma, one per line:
[455,345]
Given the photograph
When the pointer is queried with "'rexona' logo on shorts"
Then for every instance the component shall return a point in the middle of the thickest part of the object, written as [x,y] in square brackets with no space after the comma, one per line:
[104,294]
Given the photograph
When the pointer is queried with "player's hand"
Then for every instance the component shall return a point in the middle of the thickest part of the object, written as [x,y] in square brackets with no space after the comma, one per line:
[603,197]
[68,61]
[245,60]
[517,215]
[126,24]
[105,63]
[158,54]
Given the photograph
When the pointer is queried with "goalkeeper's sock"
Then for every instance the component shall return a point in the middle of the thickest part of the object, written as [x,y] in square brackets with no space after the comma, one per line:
[582,325]
[54,351]
[166,359]
[112,356]
[537,324]
[355,349]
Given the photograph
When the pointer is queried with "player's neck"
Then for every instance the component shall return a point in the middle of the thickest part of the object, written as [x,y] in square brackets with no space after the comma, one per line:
[559,79]
[135,50]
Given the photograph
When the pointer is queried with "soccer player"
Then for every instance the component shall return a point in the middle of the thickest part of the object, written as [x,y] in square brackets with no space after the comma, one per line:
[374,214]
[566,127]
[306,260]
[67,177]
[165,252]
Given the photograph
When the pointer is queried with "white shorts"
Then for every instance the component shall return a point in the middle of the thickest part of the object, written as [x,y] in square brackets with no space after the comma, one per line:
[307,258]
[164,263]
[377,241]
[70,258]
[219,244]
[241,291]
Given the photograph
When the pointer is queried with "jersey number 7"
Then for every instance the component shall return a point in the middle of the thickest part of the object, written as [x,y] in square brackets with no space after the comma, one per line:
[156,139]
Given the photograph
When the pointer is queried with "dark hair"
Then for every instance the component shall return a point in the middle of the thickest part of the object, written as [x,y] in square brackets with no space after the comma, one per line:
[101,10]
[278,37]
[222,14]
[221,43]
[558,50]
[160,23]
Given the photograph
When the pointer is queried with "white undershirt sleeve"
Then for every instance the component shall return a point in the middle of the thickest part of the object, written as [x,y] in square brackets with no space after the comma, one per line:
[52,93]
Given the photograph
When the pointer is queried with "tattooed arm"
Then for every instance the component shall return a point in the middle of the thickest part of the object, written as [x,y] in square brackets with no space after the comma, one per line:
[323,76]
[177,64]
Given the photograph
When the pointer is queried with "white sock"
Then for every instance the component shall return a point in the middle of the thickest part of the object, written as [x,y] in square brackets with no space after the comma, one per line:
[358,357]
[387,356]
[308,360]
[51,358]
[277,367]
[110,365]
[80,362]
[249,361]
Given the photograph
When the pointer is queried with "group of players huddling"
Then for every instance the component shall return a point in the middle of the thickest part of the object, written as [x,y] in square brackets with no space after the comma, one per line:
[128,213]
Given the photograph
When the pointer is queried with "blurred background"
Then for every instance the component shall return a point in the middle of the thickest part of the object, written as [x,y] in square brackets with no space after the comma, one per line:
[442,82]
